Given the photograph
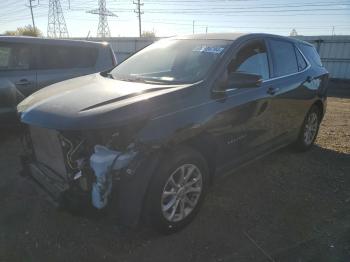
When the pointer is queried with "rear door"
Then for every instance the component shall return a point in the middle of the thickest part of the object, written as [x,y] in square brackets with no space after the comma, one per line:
[285,87]
[61,62]
[17,66]
[316,76]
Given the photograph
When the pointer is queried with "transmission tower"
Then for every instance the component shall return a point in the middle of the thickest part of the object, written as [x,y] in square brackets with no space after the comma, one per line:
[103,28]
[56,27]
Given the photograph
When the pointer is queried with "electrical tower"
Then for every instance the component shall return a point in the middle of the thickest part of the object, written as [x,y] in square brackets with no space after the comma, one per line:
[56,27]
[103,28]
[139,13]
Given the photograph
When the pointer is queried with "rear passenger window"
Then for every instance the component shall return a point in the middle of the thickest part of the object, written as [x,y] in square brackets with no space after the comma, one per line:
[15,57]
[5,53]
[252,58]
[65,57]
[311,54]
[301,61]
[283,56]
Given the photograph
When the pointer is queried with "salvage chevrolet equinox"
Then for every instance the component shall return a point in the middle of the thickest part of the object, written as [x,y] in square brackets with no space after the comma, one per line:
[149,137]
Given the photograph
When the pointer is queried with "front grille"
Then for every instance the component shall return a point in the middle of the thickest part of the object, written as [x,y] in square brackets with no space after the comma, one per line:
[49,168]
[47,149]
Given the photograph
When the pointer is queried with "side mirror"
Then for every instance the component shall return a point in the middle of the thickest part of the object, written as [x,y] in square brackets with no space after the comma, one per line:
[244,80]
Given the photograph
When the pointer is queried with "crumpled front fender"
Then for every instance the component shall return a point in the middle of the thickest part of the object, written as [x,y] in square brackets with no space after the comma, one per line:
[131,190]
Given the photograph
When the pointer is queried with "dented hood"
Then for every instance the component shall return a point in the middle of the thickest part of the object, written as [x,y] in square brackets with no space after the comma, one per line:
[90,102]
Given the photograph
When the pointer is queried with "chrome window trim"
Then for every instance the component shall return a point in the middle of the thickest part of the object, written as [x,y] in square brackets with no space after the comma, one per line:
[279,77]
[299,72]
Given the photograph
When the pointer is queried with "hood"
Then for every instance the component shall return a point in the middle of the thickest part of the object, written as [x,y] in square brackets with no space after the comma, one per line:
[89,102]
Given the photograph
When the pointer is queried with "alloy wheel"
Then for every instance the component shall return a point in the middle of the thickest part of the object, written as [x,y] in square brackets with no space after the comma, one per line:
[181,192]
[310,129]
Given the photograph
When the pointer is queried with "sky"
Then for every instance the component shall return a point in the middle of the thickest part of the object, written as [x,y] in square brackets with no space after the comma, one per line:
[176,17]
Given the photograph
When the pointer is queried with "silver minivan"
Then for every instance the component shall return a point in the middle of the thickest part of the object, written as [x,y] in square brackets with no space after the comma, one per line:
[28,64]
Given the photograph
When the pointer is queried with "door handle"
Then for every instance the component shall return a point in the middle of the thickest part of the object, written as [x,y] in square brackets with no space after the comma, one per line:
[23,82]
[272,90]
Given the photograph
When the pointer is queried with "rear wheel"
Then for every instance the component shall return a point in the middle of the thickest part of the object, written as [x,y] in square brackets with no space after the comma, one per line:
[309,129]
[177,190]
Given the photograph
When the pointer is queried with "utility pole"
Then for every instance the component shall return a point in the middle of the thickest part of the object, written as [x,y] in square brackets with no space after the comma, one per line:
[31,6]
[103,28]
[139,13]
[56,26]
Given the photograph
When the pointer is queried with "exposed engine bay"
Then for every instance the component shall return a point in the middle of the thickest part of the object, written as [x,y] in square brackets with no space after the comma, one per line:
[66,162]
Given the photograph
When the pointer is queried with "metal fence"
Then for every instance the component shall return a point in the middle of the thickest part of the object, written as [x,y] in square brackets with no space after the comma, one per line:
[124,47]
[334,50]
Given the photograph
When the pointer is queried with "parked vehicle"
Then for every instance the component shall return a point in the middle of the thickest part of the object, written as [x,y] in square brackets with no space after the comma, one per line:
[28,64]
[148,138]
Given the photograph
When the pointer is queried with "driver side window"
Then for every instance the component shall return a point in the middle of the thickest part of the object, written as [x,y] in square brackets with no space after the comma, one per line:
[252,58]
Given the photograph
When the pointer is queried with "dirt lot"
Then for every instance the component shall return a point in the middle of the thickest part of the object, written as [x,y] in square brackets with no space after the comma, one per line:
[285,207]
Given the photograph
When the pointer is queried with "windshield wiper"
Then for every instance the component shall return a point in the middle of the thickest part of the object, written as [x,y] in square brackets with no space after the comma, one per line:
[139,80]
[133,79]
[109,75]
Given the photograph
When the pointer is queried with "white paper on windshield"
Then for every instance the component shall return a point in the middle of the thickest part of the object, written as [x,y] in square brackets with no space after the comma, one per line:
[209,49]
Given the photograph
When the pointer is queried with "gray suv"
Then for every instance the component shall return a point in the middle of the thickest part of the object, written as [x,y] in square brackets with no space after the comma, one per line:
[28,64]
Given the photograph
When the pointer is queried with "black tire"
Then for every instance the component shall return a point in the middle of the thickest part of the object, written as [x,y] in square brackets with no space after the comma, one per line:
[303,144]
[182,157]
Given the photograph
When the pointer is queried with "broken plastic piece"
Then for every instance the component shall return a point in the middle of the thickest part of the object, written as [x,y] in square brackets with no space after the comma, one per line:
[102,162]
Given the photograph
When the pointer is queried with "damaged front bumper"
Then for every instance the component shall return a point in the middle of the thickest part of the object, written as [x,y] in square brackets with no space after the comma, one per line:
[86,183]
[104,161]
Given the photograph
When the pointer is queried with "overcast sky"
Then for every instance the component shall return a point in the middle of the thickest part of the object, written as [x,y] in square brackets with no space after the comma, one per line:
[171,17]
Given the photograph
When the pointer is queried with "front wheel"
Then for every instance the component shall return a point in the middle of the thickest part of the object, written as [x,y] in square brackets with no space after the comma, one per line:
[177,190]
[309,129]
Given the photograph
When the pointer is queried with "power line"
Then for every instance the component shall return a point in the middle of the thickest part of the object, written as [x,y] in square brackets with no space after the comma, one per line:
[334,13]
[226,10]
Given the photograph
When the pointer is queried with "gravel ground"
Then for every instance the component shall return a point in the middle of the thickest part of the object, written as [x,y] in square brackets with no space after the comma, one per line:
[285,207]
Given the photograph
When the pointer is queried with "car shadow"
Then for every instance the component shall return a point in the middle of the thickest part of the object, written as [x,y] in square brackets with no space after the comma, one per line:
[283,201]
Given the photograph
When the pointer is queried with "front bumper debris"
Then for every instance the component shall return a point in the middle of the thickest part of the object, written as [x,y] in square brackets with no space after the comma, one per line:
[103,162]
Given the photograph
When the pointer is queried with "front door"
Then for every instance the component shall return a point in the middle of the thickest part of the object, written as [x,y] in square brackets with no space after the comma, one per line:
[242,126]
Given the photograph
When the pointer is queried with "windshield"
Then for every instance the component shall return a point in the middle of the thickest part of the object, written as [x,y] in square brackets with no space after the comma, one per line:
[172,61]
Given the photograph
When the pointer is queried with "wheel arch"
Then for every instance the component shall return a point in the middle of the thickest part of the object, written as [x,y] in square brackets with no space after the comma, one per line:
[206,146]
[319,104]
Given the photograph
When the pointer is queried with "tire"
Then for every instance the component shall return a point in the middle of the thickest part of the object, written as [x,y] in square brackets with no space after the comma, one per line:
[165,193]
[309,129]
